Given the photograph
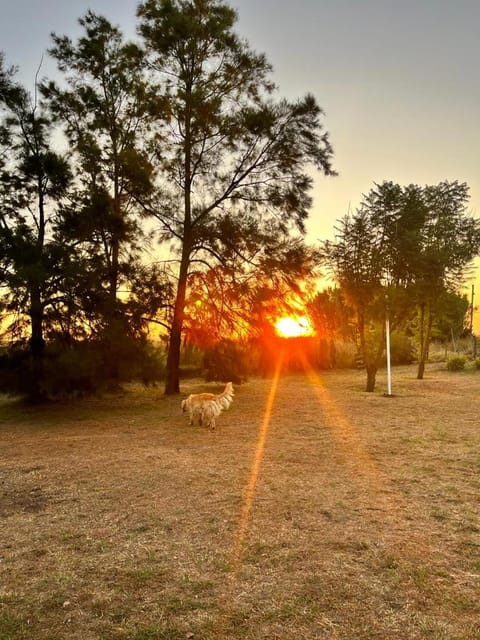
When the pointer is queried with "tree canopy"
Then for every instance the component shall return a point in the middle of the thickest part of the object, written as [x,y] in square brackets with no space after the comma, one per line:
[34,180]
[233,158]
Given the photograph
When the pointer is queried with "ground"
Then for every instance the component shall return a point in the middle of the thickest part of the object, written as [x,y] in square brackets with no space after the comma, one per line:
[315,510]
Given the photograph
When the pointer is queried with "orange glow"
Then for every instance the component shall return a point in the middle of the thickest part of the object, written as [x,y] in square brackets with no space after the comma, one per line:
[226,605]
[294,327]
[353,448]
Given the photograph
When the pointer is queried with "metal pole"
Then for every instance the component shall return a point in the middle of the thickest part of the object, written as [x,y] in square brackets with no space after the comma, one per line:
[389,368]
[474,339]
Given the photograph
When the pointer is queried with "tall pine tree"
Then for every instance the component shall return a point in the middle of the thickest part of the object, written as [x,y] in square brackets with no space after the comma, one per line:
[233,159]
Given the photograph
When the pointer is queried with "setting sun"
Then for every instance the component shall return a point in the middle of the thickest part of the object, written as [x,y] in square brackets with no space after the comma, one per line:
[294,327]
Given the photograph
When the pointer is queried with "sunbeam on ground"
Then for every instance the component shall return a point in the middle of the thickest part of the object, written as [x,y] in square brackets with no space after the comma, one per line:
[249,495]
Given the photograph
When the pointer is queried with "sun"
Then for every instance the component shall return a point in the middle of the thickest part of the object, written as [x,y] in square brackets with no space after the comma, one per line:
[294,327]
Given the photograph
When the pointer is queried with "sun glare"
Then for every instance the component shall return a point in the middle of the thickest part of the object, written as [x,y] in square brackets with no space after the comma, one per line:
[294,327]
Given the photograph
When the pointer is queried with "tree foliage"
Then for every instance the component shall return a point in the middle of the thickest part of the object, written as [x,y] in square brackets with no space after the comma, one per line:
[403,244]
[185,129]
[105,108]
[449,242]
[103,111]
[237,303]
[182,139]
[233,158]
[34,180]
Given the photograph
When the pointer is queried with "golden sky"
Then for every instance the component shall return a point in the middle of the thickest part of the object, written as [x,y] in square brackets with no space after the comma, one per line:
[398,80]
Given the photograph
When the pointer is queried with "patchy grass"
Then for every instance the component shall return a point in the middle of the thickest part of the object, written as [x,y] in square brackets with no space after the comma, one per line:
[317,511]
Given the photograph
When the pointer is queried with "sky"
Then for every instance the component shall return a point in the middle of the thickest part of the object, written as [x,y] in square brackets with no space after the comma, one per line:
[398,81]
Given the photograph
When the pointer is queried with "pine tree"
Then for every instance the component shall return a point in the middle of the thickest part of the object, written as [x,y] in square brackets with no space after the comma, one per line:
[232,157]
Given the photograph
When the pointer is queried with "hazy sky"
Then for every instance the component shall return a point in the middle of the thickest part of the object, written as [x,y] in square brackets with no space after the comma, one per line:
[398,80]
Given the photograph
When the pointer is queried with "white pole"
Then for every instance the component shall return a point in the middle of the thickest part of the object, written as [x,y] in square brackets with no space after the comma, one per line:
[389,368]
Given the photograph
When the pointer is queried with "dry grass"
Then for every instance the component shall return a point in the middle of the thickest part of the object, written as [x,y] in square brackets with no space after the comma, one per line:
[360,520]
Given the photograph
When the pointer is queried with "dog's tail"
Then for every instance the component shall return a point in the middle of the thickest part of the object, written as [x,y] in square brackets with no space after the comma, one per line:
[225,398]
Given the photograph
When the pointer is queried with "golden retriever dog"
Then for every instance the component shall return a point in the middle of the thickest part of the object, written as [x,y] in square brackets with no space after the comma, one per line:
[206,407]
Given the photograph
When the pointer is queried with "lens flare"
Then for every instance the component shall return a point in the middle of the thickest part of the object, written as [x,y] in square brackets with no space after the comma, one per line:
[245,514]
[294,327]
[373,487]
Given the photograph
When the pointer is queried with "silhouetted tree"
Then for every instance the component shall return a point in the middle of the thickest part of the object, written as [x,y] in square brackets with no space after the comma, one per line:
[449,242]
[450,317]
[332,318]
[235,303]
[105,107]
[233,159]
[33,181]
[372,258]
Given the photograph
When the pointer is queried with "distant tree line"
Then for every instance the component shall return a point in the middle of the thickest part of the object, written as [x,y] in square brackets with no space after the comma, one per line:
[147,168]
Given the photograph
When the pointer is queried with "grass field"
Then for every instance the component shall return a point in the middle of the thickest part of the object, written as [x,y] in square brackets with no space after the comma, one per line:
[314,511]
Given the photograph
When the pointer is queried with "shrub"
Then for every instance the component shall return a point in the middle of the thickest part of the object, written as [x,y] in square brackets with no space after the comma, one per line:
[227,361]
[15,370]
[345,355]
[456,363]
[80,368]
[191,361]
[402,348]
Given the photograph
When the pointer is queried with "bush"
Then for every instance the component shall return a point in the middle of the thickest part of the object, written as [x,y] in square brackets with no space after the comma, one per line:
[476,364]
[456,363]
[402,348]
[191,362]
[16,374]
[227,361]
[80,368]
[345,355]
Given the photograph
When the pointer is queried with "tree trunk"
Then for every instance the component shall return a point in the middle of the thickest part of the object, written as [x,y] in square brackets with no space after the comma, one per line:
[371,378]
[422,327]
[37,347]
[37,342]
[115,322]
[421,368]
[425,343]
[172,382]
[371,355]
[372,365]
[332,353]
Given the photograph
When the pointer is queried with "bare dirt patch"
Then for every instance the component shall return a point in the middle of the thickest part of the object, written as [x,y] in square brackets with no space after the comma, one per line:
[337,514]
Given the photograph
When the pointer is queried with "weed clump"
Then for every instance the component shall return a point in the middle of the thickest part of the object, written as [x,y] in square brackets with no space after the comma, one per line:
[456,363]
